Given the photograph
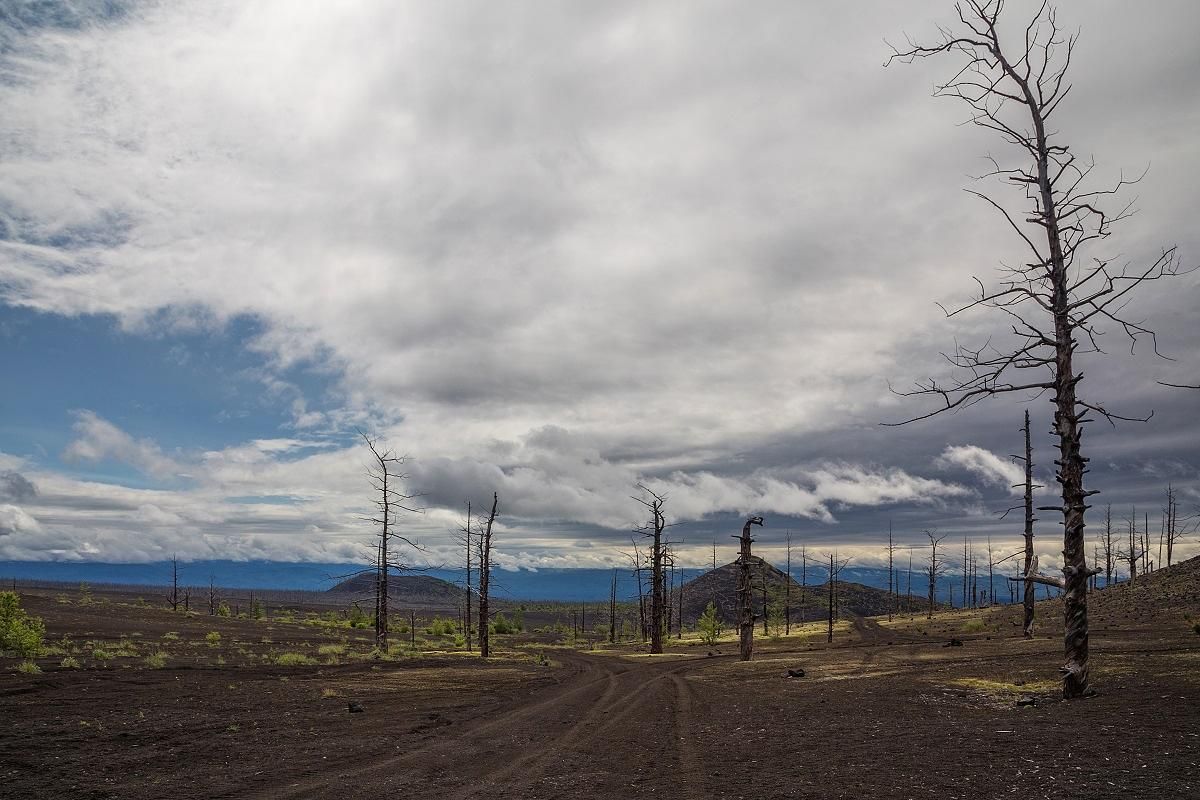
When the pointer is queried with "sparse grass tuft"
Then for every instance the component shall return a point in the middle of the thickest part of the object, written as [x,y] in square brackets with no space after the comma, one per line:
[331,649]
[29,668]
[973,626]
[294,660]
[170,636]
[70,662]
[213,638]
[156,660]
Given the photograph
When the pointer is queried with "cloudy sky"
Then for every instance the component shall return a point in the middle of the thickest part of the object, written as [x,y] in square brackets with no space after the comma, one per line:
[548,250]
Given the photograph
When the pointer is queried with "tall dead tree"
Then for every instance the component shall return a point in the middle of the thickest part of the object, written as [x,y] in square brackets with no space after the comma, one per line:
[386,481]
[745,590]
[787,590]
[1030,559]
[466,542]
[835,568]
[173,597]
[484,551]
[212,596]
[653,530]
[891,583]
[936,568]
[1106,546]
[1060,298]
[612,609]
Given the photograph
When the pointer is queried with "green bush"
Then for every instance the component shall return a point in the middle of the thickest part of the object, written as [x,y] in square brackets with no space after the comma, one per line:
[29,668]
[441,627]
[70,662]
[213,638]
[19,632]
[502,625]
[223,610]
[156,660]
[709,625]
[358,617]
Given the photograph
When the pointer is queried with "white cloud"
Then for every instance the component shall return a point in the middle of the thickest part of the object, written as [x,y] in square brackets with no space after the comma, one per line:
[986,465]
[97,439]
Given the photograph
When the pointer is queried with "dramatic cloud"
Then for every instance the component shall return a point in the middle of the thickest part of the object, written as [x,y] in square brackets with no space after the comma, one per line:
[553,250]
[985,464]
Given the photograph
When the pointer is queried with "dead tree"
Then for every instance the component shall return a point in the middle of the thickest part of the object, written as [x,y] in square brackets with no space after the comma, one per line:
[891,583]
[745,590]
[465,540]
[484,549]
[1132,554]
[835,567]
[936,568]
[386,481]
[1060,298]
[654,531]
[991,572]
[173,597]
[1030,596]
[787,590]
[1173,528]
[612,609]
[213,600]
[1106,546]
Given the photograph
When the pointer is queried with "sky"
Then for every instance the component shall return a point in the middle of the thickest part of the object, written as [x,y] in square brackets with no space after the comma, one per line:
[551,251]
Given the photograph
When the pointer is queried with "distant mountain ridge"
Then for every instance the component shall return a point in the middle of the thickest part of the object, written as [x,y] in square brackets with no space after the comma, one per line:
[809,602]
[418,589]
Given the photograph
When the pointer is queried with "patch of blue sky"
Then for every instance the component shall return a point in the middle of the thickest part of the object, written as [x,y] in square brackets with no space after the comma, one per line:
[191,390]
[266,500]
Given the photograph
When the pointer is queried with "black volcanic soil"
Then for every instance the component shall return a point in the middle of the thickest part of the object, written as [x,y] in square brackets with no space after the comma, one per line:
[887,711]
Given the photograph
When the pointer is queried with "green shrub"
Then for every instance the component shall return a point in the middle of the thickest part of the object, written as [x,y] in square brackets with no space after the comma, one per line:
[213,638]
[156,660]
[294,660]
[358,617]
[100,654]
[29,668]
[170,636]
[331,649]
[709,625]
[973,626]
[85,595]
[441,627]
[70,662]
[502,625]
[19,632]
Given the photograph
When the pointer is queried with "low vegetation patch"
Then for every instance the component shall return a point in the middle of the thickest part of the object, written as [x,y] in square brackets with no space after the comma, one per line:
[156,660]
[294,660]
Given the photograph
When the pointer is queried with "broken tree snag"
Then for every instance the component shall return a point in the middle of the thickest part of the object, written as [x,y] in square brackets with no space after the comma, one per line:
[484,543]
[1061,297]
[745,590]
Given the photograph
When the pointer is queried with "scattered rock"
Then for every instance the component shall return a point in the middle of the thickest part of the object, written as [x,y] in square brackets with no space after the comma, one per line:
[953,643]
[795,673]
[355,708]
[1027,701]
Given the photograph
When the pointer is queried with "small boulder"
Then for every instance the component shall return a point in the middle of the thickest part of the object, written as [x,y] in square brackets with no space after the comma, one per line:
[1027,701]
[953,643]
[795,673]
[355,708]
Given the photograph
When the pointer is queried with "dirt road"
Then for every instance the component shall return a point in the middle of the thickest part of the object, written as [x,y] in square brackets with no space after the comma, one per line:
[915,719]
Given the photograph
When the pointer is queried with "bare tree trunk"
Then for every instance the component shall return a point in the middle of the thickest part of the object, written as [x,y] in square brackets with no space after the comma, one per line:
[829,635]
[467,536]
[485,573]
[1030,597]
[891,582]
[612,610]
[745,591]
[173,598]
[787,596]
